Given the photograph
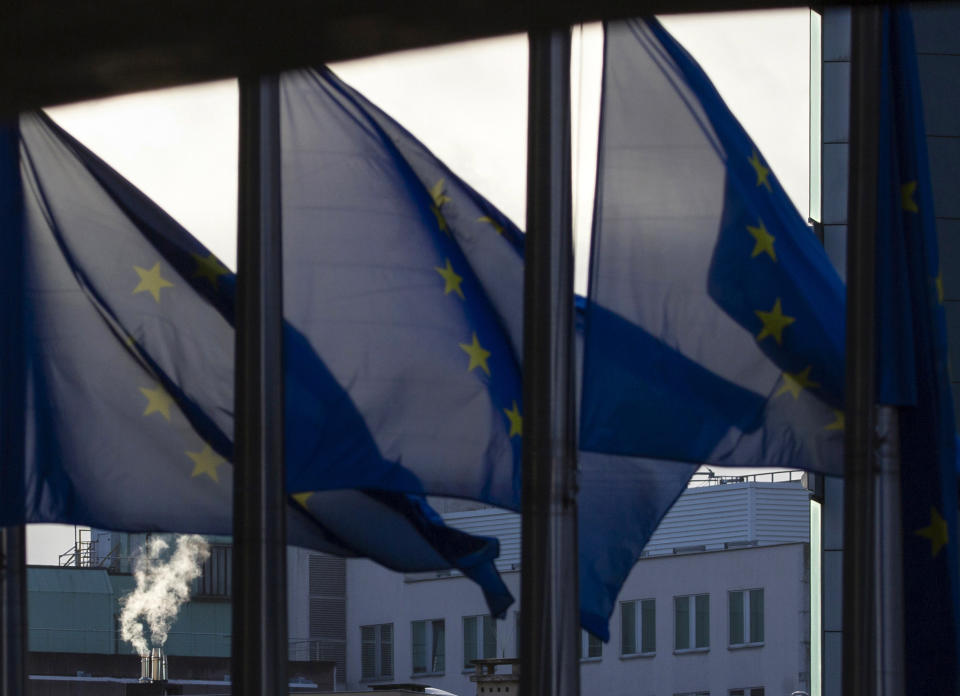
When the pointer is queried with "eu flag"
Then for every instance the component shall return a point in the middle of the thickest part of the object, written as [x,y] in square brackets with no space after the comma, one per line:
[119,324]
[408,287]
[715,322]
[377,227]
[914,374]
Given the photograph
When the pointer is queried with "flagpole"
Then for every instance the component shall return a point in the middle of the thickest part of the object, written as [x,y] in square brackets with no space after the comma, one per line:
[13,541]
[259,636]
[13,548]
[860,640]
[550,626]
[889,558]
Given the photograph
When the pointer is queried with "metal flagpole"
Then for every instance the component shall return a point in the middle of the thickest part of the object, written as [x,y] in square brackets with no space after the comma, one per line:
[13,543]
[14,611]
[550,625]
[259,636]
[860,644]
[889,558]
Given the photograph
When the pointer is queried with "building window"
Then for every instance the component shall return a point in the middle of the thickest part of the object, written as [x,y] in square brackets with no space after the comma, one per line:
[376,652]
[752,691]
[746,617]
[590,647]
[691,615]
[479,639]
[638,627]
[216,574]
[428,640]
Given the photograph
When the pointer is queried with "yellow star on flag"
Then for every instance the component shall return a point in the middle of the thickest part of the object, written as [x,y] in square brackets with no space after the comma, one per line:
[939,282]
[764,241]
[441,221]
[906,197]
[206,462]
[151,281]
[209,267]
[840,423]
[489,220]
[796,383]
[936,532]
[478,356]
[762,171]
[437,194]
[451,279]
[516,420]
[302,498]
[158,401]
[774,322]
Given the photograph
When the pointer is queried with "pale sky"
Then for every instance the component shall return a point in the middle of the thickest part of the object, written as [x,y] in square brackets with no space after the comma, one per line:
[468,104]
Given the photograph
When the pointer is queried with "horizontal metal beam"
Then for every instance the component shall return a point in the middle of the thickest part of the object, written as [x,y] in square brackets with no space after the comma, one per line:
[57,51]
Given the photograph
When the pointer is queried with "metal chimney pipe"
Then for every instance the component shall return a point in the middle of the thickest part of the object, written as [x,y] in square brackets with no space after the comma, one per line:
[155,655]
[144,667]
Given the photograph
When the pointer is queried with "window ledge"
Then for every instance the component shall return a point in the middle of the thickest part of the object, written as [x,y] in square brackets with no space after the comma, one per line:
[691,651]
[374,680]
[635,656]
[742,646]
[591,659]
[420,675]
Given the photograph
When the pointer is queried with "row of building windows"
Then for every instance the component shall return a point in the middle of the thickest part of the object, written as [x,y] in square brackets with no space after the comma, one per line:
[691,623]
[638,635]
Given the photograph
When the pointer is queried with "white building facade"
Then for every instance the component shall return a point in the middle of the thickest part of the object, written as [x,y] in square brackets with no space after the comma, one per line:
[720,605]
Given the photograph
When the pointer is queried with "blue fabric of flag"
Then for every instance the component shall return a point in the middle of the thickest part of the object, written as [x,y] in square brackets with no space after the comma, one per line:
[385,294]
[715,321]
[332,133]
[914,373]
[124,405]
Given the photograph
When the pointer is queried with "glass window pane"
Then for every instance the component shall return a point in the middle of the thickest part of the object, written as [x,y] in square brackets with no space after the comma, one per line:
[386,650]
[439,646]
[594,646]
[681,623]
[756,616]
[628,628]
[703,621]
[368,652]
[469,641]
[419,647]
[489,637]
[736,618]
[648,619]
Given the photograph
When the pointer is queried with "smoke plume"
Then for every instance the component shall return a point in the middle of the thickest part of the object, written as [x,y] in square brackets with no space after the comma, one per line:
[162,586]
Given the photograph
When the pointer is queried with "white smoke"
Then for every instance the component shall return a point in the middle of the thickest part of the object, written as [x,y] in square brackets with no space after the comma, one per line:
[162,586]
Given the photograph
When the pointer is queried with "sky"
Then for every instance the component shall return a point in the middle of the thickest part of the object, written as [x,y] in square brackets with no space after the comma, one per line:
[467,102]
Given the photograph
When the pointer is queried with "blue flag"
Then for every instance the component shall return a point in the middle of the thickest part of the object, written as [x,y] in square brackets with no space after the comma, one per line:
[378,227]
[914,374]
[715,322]
[120,412]
[380,279]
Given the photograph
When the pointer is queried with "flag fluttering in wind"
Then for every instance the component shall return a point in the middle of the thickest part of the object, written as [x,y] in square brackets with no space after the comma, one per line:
[119,377]
[376,227]
[715,321]
[913,368]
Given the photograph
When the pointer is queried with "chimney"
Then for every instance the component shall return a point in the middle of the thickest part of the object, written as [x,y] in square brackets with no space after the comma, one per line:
[153,676]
